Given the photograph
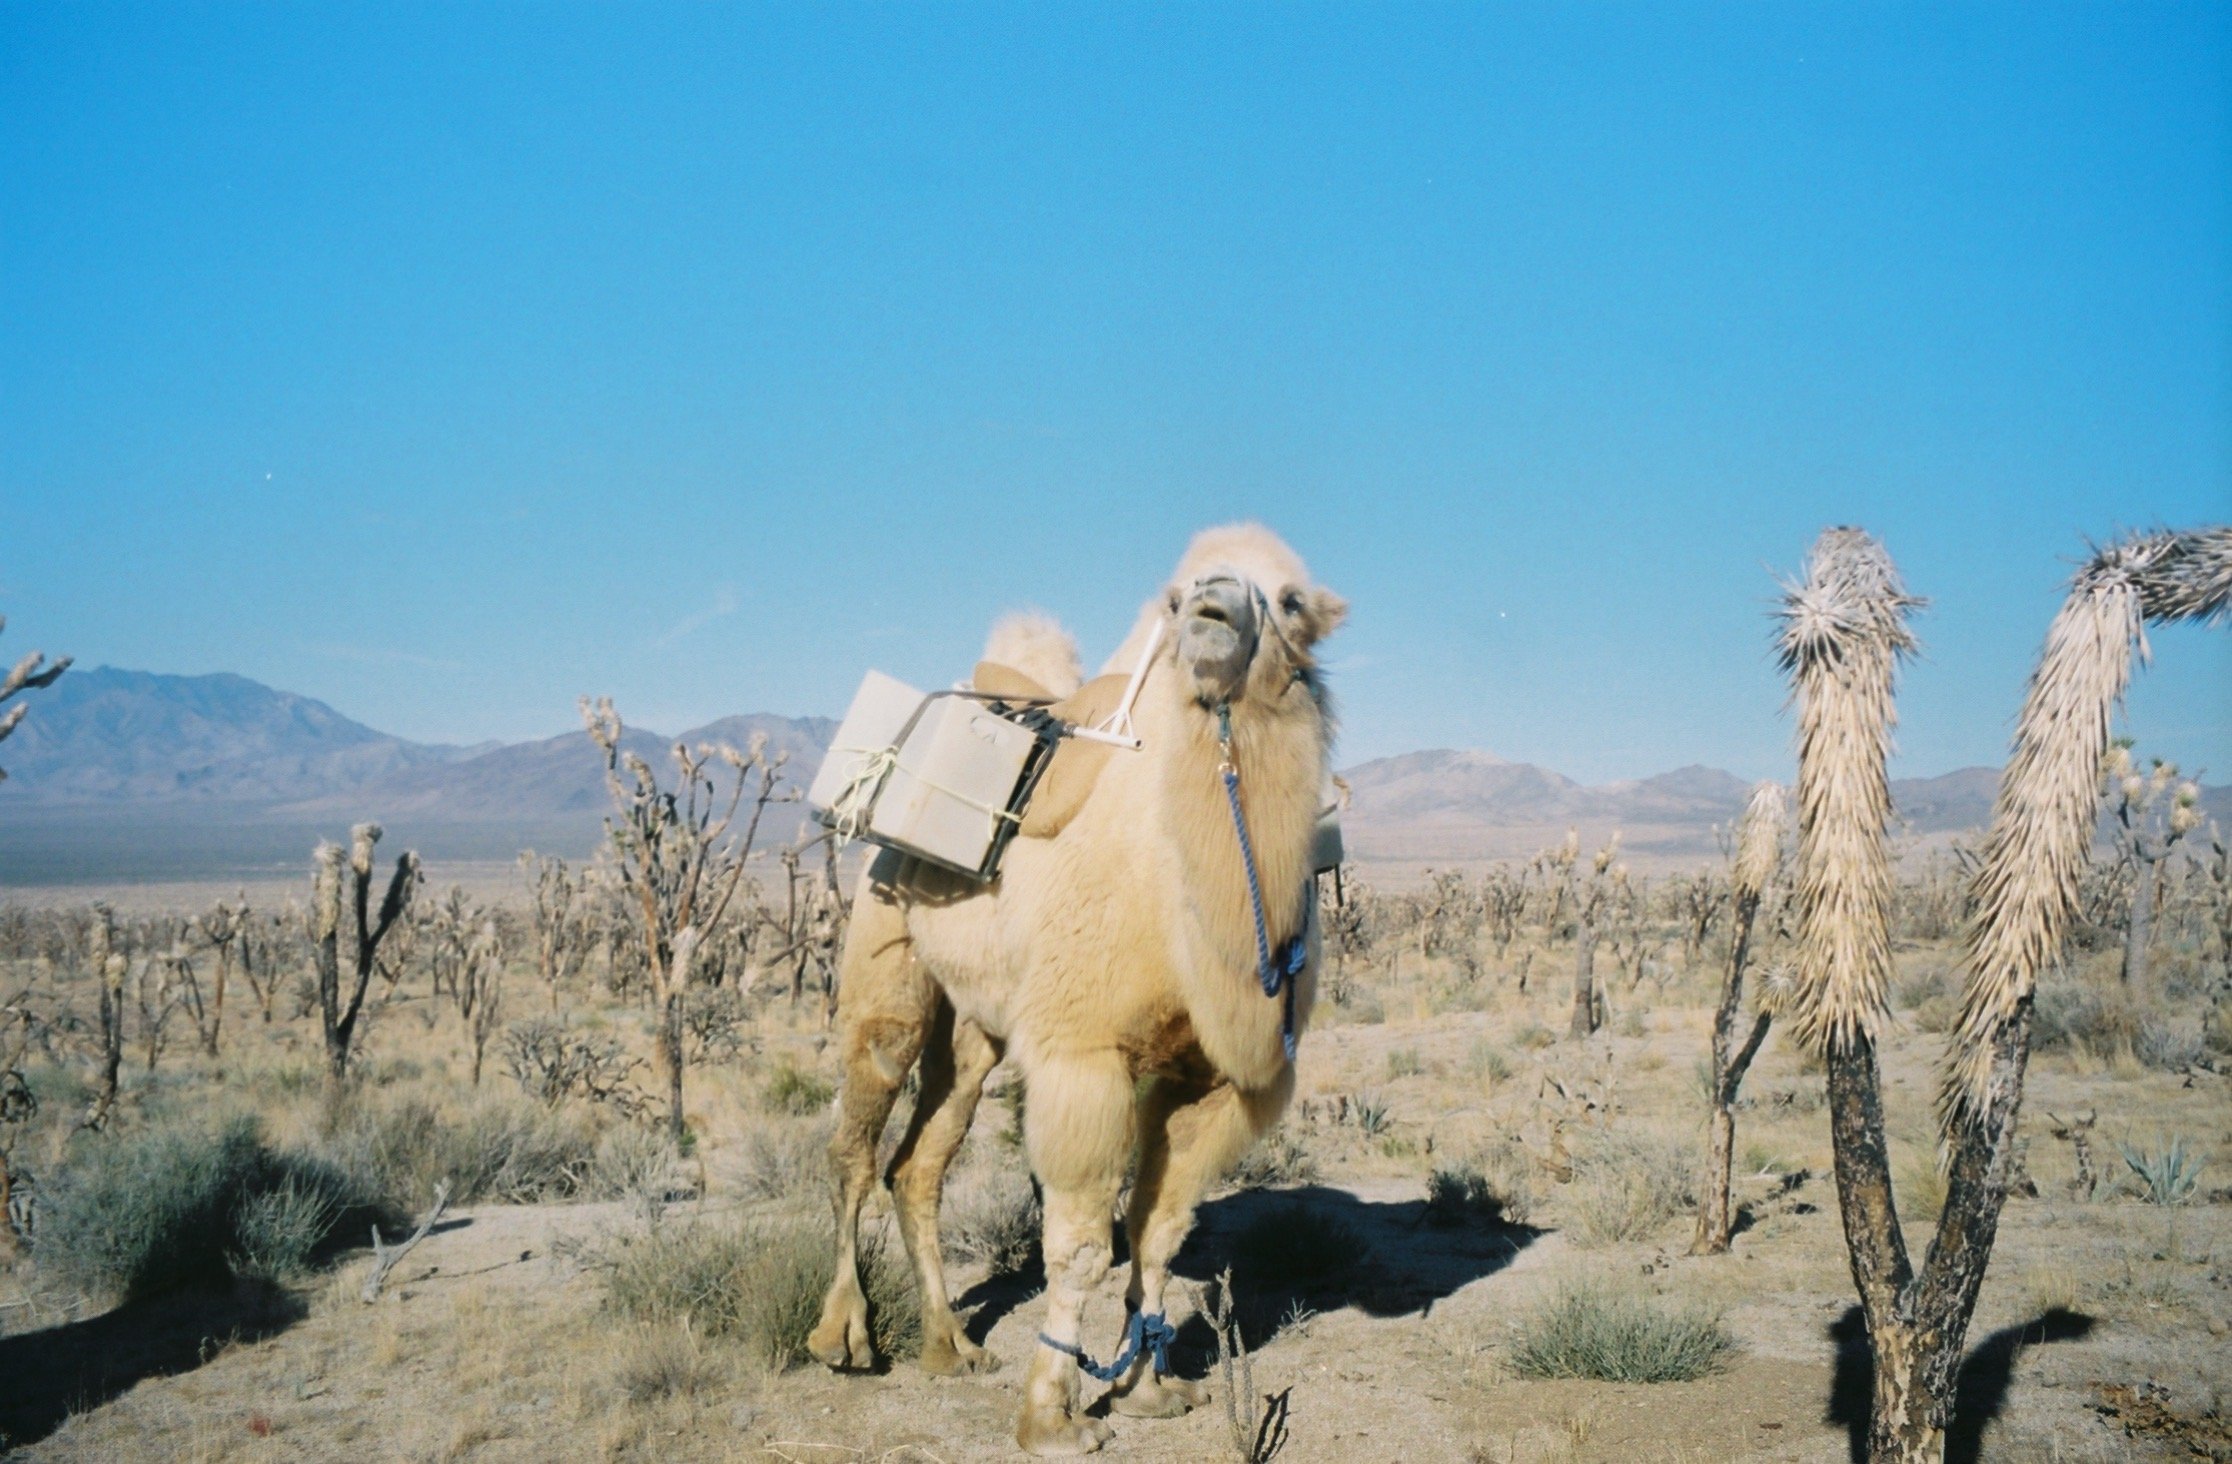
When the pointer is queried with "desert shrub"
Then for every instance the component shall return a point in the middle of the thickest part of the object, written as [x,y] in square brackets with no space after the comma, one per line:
[2067,1015]
[1404,1062]
[1361,1005]
[552,1061]
[1494,1187]
[180,1205]
[781,1158]
[1921,1188]
[1533,1037]
[760,1284]
[1629,1186]
[1915,988]
[994,1219]
[662,1362]
[1487,1061]
[1276,1160]
[1294,1243]
[512,1152]
[797,1093]
[1584,1332]
[636,1165]
[2169,1047]
[716,1023]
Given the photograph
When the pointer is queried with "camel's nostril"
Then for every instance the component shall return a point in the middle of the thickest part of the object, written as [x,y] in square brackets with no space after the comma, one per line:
[1211,610]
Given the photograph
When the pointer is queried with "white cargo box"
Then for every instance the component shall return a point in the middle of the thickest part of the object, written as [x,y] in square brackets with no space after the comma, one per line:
[950,793]
[878,714]
[933,776]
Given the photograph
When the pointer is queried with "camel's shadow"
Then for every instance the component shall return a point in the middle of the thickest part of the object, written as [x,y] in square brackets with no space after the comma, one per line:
[1297,1252]
[47,1375]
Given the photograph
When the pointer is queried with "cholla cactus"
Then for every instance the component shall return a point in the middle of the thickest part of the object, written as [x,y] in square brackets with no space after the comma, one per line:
[29,674]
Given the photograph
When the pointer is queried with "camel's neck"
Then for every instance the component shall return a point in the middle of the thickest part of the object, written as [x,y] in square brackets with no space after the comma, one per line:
[1278,750]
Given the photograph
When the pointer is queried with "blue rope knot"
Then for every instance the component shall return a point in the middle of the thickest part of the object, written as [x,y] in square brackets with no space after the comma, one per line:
[1149,1330]
[1275,970]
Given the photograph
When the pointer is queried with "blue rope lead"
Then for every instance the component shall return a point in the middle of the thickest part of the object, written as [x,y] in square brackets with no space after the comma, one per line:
[1150,1330]
[1279,972]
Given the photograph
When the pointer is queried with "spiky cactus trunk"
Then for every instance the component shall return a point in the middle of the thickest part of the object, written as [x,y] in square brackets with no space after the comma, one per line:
[1843,633]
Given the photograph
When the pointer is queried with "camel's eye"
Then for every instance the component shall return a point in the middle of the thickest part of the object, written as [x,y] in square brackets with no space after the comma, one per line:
[1291,602]
[1174,599]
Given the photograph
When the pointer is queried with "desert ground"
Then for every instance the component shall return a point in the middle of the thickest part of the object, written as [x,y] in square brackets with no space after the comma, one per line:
[1454,1164]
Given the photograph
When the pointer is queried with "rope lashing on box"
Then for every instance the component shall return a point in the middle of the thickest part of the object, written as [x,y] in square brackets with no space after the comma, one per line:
[1149,1330]
[1277,971]
[850,809]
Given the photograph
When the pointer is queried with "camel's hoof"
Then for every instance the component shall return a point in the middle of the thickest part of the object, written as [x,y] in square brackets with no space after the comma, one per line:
[842,1343]
[1154,1397]
[1057,1435]
[956,1358]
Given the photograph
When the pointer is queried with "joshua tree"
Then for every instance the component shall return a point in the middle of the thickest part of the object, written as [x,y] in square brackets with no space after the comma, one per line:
[677,861]
[223,927]
[1699,898]
[1843,632]
[2153,811]
[560,941]
[341,901]
[108,966]
[1758,852]
[1591,891]
[29,674]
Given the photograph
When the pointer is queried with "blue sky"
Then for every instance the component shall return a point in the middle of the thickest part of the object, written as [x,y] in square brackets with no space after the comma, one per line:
[445,362]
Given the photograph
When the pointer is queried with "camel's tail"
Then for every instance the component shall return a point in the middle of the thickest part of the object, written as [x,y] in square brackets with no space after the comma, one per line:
[1036,645]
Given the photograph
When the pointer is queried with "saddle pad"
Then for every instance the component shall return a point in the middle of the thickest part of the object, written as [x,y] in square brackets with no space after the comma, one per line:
[1068,780]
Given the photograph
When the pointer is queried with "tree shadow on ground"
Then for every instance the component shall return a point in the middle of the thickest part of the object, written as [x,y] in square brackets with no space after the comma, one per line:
[1979,1393]
[47,1375]
[1298,1251]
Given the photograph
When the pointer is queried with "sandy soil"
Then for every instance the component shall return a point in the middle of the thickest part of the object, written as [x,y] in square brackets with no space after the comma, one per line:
[493,1344]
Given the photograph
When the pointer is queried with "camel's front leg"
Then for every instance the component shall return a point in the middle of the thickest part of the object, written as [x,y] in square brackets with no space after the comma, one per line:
[955,1062]
[1188,1141]
[1078,1125]
[884,1010]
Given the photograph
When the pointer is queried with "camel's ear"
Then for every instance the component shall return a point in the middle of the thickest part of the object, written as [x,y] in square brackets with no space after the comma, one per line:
[1322,613]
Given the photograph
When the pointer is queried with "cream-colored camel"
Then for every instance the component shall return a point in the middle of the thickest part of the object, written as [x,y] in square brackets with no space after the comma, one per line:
[1117,945]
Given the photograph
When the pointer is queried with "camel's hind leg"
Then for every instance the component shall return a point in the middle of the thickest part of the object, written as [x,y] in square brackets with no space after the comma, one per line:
[884,1010]
[1078,1126]
[955,1062]
[1188,1139]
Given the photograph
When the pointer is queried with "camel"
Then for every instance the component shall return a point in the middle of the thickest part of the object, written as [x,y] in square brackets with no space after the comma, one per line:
[1150,1004]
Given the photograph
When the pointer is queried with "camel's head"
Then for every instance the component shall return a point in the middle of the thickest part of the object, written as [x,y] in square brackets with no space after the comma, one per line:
[1245,615]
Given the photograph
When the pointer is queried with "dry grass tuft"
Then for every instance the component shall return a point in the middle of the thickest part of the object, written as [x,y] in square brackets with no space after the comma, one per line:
[760,1283]
[1613,1337]
[1629,1185]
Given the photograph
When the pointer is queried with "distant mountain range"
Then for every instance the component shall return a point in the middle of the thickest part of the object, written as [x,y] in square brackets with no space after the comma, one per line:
[134,774]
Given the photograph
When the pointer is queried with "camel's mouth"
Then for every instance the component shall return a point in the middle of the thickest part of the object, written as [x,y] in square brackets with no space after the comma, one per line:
[1217,634]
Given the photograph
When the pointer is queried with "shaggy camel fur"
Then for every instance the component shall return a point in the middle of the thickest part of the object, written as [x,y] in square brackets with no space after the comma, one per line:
[1117,960]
